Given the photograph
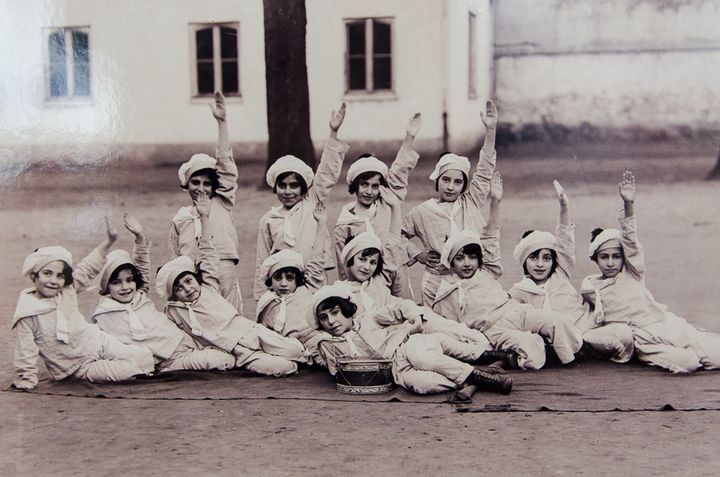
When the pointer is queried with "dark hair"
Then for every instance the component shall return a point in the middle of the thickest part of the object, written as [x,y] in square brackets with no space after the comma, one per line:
[553,253]
[593,235]
[285,175]
[472,249]
[210,173]
[136,275]
[365,176]
[197,276]
[299,276]
[366,253]
[527,232]
[347,308]
[67,273]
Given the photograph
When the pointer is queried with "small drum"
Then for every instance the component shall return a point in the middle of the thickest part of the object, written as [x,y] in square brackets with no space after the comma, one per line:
[364,375]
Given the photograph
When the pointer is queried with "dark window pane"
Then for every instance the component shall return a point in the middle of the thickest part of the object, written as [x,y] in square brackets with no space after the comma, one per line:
[381,37]
[382,73]
[228,42]
[80,46]
[204,43]
[81,79]
[356,75]
[206,78]
[356,38]
[230,77]
[57,66]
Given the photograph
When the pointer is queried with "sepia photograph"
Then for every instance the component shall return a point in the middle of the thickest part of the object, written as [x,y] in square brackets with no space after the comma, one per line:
[360,237]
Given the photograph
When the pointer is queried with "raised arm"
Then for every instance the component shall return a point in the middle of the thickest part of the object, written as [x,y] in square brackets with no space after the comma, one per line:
[208,263]
[633,251]
[405,160]
[490,239]
[328,171]
[395,210]
[565,234]
[90,266]
[480,184]
[315,274]
[141,248]
[226,168]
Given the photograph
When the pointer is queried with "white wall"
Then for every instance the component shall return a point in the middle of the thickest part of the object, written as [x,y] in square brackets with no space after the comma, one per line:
[612,63]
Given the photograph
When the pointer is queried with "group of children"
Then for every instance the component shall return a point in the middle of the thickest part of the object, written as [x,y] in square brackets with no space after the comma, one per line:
[465,320]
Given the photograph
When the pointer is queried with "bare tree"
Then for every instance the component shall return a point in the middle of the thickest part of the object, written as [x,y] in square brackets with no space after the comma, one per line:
[288,103]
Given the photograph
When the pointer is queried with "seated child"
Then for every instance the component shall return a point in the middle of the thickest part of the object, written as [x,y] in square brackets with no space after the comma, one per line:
[286,307]
[196,305]
[218,179]
[547,261]
[369,212]
[48,322]
[423,361]
[619,295]
[291,224]
[473,295]
[457,207]
[126,312]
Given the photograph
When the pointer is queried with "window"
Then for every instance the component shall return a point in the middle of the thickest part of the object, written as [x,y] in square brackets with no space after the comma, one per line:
[472,58]
[67,62]
[369,55]
[216,66]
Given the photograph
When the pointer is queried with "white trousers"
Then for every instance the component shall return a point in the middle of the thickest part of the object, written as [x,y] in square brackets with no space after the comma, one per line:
[614,340]
[116,362]
[429,287]
[430,363]
[267,352]
[190,355]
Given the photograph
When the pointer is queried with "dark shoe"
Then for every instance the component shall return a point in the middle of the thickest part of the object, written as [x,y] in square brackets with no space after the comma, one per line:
[496,383]
[508,359]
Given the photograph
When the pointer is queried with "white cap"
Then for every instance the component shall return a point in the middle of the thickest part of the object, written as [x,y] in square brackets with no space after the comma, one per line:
[366,164]
[448,162]
[289,163]
[197,162]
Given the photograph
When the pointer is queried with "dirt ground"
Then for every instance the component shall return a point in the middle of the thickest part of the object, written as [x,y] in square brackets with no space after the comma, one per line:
[679,226]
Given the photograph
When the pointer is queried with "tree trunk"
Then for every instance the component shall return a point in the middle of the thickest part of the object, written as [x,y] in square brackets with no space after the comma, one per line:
[288,102]
[715,172]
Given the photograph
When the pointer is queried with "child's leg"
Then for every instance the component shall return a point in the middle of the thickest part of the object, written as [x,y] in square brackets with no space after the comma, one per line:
[707,346]
[656,351]
[614,340]
[506,336]
[190,356]
[229,284]
[435,353]
[117,362]
[416,380]
[269,365]
[271,342]
[434,323]
[429,286]
[562,334]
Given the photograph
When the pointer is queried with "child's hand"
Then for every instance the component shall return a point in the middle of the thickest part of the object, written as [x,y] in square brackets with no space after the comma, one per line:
[320,213]
[390,199]
[560,191]
[202,205]
[337,118]
[627,187]
[111,231]
[490,118]
[413,127]
[429,258]
[133,225]
[496,187]
[219,109]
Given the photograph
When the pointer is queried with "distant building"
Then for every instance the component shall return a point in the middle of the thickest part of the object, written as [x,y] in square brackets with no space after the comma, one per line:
[100,77]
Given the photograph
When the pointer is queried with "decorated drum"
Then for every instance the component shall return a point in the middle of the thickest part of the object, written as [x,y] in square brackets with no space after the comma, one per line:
[364,375]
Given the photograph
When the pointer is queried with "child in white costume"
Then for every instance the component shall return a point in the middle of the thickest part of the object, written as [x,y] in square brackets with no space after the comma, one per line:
[473,295]
[196,305]
[126,312]
[218,179]
[619,295]
[48,322]
[291,224]
[286,307]
[369,212]
[457,208]
[423,360]
[548,261]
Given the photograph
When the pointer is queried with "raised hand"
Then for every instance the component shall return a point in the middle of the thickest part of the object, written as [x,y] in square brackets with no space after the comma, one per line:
[219,109]
[320,213]
[490,117]
[561,194]
[202,205]
[388,197]
[337,118]
[110,230]
[496,187]
[133,225]
[413,127]
[627,187]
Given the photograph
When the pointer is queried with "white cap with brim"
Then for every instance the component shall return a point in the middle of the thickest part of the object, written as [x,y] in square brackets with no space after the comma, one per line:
[535,240]
[42,256]
[608,238]
[169,272]
[196,163]
[289,163]
[448,162]
[455,243]
[283,259]
[366,164]
[362,241]
[337,289]
[115,260]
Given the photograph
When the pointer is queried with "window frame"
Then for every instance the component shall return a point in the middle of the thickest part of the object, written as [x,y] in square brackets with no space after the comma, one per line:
[369,56]
[69,96]
[217,59]
[472,55]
